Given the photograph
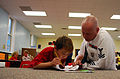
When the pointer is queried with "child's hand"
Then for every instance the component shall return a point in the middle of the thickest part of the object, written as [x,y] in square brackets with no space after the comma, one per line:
[56,61]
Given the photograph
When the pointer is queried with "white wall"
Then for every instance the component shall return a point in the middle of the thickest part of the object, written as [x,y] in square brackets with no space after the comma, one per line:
[22,37]
[3,28]
[33,40]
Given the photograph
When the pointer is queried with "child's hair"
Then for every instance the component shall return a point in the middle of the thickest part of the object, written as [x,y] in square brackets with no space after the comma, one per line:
[14,53]
[26,51]
[64,42]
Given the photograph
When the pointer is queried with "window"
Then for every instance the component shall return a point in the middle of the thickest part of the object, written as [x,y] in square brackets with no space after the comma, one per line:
[9,34]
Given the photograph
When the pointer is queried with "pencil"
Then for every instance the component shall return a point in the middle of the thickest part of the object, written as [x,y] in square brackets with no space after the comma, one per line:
[59,58]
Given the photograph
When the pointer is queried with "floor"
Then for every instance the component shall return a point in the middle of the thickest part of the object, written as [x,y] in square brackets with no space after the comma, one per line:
[27,73]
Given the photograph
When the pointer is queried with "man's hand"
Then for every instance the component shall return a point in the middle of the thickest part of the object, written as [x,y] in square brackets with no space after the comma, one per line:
[78,60]
[56,61]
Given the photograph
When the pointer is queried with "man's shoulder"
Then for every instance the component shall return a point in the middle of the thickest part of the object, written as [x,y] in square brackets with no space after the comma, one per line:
[106,38]
[103,33]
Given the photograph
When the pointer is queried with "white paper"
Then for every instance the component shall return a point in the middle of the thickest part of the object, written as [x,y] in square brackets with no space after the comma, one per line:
[67,68]
[2,64]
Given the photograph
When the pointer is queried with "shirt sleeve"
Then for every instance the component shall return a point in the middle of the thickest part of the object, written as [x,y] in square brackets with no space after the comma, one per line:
[43,56]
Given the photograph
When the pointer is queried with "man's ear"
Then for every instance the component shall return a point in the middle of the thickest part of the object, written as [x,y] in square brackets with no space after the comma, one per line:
[98,29]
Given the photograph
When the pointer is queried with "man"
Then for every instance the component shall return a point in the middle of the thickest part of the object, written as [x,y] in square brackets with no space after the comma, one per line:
[98,49]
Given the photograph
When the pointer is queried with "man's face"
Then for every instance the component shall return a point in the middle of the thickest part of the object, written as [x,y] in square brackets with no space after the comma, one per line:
[89,31]
[62,53]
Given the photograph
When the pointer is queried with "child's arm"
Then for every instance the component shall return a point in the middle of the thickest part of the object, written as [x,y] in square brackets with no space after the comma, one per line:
[43,65]
[54,62]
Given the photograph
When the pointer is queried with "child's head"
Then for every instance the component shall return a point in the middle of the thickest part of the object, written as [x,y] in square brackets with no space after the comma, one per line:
[15,54]
[25,52]
[63,46]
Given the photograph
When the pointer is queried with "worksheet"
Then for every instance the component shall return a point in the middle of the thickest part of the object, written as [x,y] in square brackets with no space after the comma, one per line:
[68,68]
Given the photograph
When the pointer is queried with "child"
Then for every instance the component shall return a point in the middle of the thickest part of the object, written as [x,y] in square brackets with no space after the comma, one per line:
[52,56]
[14,57]
[27,56]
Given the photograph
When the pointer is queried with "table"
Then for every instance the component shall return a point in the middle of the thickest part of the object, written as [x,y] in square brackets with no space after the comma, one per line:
[28,73]
[10,61]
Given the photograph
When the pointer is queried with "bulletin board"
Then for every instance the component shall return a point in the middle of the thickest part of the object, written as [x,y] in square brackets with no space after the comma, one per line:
[31,51]
[2,56]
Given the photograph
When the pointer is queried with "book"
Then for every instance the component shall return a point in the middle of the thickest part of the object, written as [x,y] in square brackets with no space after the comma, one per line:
[80,71]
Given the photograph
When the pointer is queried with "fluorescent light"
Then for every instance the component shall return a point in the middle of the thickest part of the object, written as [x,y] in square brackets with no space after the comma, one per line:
[43,26]
[74,34]
[115,17]
[74,27]
[48,33]
[35,13]
[82,15]
[108,28]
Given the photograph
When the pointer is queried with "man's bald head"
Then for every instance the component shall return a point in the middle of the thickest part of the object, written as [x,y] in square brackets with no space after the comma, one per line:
[90,28]
[90,19]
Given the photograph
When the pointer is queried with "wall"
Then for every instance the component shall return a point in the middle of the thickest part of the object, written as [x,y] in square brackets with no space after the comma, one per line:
[117,44]
[44,43]
[3,28]
[33,40]
[22,37]
[77,44]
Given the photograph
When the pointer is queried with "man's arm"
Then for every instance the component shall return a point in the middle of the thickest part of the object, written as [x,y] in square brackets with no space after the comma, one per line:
[78,60]
[80,55]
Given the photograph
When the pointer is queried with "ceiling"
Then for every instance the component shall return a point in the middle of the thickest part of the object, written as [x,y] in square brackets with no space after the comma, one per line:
[57,14]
